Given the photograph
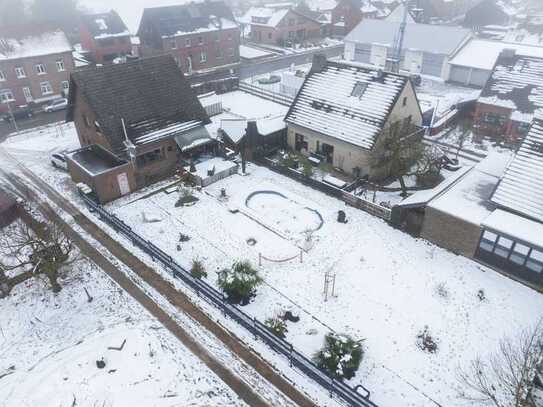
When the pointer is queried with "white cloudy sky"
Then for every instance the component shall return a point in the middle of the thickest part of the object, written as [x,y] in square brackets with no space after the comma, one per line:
[129,10]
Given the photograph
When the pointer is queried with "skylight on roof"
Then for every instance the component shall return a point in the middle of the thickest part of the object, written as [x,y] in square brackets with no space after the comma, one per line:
[359,89]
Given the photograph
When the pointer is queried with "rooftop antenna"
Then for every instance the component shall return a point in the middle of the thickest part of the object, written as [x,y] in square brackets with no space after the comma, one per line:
[396,58]
[130,147]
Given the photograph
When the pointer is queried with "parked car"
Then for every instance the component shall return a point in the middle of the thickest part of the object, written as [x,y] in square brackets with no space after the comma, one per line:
[56,105]
[58,160]
[19,113]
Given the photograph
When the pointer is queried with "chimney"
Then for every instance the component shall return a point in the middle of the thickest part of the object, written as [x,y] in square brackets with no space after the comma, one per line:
[508,53]
[319,63]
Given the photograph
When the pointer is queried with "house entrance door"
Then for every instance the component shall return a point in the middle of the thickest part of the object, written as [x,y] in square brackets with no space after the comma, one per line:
[124,186]
[328,152]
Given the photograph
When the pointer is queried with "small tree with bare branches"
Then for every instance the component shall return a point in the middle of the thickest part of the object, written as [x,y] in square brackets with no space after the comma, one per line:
[506,377]
[26,253]
[399,152]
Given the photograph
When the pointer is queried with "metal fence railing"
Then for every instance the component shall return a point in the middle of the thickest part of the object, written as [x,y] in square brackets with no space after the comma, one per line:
[346,196]
[216,298]
[281,98]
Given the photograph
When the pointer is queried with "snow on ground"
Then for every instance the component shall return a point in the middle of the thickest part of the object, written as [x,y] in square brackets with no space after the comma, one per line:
[49,345]
[436,94]
[247,52]
[380,271]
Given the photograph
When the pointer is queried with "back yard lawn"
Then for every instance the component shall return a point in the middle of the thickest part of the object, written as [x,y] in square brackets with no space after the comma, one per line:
[389,286]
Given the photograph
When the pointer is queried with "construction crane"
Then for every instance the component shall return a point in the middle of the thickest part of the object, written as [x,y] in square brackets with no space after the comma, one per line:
[395,59]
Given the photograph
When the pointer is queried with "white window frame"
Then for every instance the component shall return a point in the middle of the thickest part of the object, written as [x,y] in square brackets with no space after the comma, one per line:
[203,57]
[201,40]
[27,92]
[65,85]
[188,43]
[20,72]
[48,87]
[40,69]
[60,65]
[3,98]
[2,76]
[173,44]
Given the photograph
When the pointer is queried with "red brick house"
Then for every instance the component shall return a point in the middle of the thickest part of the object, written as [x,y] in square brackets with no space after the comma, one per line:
[133,121]
[346,15]
[201,37]
[282,26]
[35,65]
[104,36]
[510,98]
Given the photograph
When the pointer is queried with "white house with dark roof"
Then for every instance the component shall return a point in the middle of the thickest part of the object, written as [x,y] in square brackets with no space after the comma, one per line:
[426,50]
[342,109]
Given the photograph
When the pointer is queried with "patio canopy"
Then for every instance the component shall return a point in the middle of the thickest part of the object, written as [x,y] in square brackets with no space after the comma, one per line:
[193,138]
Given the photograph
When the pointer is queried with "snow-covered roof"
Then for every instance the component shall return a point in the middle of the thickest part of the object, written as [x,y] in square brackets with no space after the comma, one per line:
[247,52]
[346,102]
[521,188]
[512,225]
[33,45]
[483,54]
[234,128]
[264,16]
[213,25]
[435,39]
[516,83]
[321,5]
[105,25]
[397,15]
[422,198]
[173,129]
[469,199]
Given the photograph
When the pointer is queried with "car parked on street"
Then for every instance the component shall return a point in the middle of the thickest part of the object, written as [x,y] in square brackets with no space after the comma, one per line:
[58,160]
[56,105]
[19,113]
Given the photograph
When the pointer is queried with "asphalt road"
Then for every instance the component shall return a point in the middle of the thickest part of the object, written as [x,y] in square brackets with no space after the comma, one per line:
[258,68]
[247,70]
[39,119]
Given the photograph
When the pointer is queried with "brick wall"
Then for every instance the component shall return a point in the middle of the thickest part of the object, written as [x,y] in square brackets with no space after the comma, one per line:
[451,233]
[32,80]
[219,47]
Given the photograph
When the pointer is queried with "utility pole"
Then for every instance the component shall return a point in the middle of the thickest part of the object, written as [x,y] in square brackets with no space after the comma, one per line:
[12,117]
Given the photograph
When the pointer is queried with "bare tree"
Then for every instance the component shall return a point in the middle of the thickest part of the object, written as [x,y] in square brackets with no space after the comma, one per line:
[26,253]
[505,378]
[399,153]
[464,131]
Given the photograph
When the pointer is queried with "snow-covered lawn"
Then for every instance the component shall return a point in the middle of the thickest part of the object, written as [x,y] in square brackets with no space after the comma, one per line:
[389,286]
[49,346]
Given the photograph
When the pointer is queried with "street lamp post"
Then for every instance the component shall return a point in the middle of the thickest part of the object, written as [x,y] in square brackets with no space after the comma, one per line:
[11,114]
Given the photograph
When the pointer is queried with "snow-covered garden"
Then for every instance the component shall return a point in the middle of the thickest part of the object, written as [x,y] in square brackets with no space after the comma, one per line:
[390,289]
[93,345]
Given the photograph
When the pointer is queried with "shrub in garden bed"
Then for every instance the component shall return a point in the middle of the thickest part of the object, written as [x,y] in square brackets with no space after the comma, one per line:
[426,342]
[239,282]
[277,326]
[340,356]
[197,269]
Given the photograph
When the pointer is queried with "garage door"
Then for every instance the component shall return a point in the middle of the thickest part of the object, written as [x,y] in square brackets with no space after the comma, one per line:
[378,55]
[413,61]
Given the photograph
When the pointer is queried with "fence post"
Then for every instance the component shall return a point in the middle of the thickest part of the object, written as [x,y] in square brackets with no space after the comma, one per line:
[301,255]
[260,259]
[290,355]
